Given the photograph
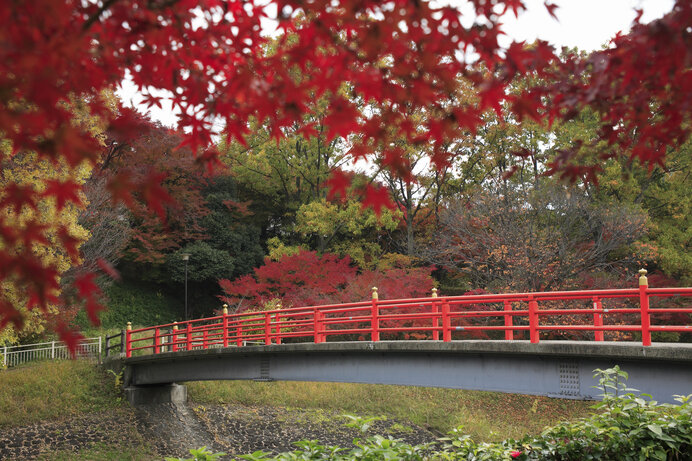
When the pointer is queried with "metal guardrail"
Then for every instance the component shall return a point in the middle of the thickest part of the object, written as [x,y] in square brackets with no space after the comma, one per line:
[51,350]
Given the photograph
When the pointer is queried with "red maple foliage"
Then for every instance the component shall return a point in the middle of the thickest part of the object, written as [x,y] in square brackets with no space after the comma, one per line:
[307,279]
[162,185]
[406,56]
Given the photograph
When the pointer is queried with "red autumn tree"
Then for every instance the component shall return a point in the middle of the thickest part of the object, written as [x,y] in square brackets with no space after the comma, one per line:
[307,279]
[406,56]
[178,207]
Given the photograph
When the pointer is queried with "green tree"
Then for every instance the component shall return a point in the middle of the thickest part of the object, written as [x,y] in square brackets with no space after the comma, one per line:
[277,177]
[346,229]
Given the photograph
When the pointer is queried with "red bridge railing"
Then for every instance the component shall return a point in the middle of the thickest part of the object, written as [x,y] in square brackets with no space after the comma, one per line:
[621,313]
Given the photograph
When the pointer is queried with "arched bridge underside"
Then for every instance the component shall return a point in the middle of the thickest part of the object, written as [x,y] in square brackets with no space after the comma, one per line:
[561,369]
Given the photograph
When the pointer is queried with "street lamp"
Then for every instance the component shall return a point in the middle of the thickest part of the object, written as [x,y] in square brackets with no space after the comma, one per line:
[186,258]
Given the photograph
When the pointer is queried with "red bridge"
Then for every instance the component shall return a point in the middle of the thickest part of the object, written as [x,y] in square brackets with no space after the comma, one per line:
[446,318]
[470,342]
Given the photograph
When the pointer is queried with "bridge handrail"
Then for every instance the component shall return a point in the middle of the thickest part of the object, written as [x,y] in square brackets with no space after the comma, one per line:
[432,317]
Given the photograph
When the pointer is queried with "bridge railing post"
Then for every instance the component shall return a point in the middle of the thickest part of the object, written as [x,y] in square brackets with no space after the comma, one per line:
[644,307]
[205,337]
[375,317]
[318,325]
[598,319]
[128,340]
[225,325]
[446,323]
[157,341]
[174,346]
[533,320]
[277,329]
[239,333]
[267,329]
[435,320]
[188,337]
[509,333]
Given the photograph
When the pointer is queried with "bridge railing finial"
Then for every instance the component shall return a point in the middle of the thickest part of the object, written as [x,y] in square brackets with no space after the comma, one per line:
[643,281]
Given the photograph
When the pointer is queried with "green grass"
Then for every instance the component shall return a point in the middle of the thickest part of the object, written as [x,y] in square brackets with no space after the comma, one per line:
[484,415]
[102,452]
[54,390]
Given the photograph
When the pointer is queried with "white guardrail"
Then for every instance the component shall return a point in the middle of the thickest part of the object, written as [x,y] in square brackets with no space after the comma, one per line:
[52,350]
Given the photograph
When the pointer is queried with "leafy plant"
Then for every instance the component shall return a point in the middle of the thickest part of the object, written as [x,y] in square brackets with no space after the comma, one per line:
[362,423]
[200,454]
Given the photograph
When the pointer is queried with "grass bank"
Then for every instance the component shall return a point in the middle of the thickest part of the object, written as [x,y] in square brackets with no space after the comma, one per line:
[51,390]
[486,416]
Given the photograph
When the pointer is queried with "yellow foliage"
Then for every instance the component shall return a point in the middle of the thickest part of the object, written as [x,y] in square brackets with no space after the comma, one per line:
[25,169]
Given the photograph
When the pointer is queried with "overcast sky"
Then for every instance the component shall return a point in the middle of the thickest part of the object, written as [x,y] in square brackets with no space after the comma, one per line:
[585,24]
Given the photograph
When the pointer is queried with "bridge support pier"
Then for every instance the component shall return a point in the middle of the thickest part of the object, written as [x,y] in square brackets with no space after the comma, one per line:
[158,393]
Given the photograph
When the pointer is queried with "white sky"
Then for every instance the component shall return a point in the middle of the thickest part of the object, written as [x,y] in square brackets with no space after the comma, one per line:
[585,24]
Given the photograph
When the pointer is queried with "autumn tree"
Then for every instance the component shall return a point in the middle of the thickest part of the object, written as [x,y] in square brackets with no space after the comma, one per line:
[308,279]
[33,233]
[405,56]
[346,229]
[539,240]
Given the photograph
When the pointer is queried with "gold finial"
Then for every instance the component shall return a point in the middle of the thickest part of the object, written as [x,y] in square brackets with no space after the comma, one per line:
[175,325]
[129,325]
[374,293]
[225,309]
[434,292]
[643,281]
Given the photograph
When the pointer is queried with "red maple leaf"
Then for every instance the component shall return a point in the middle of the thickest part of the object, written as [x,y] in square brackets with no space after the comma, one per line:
[67,191]
[210,159]
[17,196]
[88,289]
[377,197]
[70,243]
[551,7]
[308,131]
[156,195]
[342,119]
[338,183]
[34,232]
[8,313]
[121,187]
[71,337]
[108,269]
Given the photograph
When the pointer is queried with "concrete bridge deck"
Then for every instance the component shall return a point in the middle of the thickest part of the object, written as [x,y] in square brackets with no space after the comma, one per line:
[561,369]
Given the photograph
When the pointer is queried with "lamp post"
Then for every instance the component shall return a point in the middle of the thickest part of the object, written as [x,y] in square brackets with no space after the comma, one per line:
[186,258]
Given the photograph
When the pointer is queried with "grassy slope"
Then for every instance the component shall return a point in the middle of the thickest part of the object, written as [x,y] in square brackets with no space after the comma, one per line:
[484,415]
[52,390]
